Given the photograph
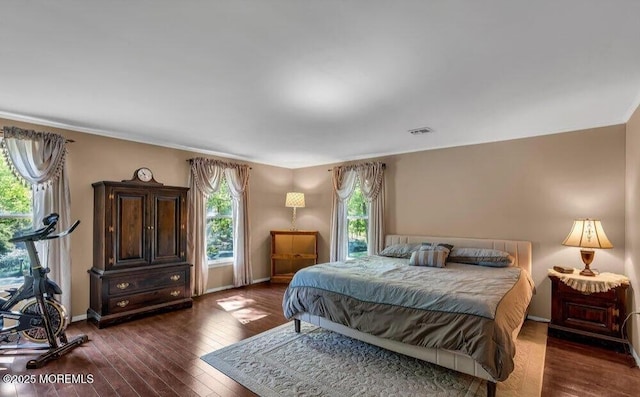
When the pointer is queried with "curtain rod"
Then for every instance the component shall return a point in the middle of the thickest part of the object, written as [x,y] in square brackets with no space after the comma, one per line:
[384,166]
[65,139]
[189,160]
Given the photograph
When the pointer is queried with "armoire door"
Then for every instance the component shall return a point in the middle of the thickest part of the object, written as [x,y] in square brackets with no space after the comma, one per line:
[167,227]
[129,220]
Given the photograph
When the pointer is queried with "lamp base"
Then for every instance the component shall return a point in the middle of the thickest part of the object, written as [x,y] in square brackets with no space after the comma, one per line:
[587,258]
[293,220]
[587,272]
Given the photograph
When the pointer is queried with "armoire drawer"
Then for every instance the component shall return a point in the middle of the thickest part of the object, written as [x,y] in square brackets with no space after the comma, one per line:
[141,281]
[132,302]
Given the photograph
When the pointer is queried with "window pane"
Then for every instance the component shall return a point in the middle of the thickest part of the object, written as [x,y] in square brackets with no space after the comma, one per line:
[220,225]
[357,204]
[357,224]
[219,238]
[15,215]
[357,237]
[219,204]
[14,260]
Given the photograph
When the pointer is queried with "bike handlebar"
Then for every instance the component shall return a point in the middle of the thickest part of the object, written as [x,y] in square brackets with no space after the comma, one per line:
[51,218]
[50,221]
[62,234]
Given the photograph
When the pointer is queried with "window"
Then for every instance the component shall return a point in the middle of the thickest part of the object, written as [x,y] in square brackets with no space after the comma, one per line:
[220,226]
[15,214]
[357,223]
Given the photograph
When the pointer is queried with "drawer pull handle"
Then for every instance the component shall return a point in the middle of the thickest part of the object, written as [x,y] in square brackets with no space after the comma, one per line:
[122,285]
[175,277]
[123,303]
[175,293]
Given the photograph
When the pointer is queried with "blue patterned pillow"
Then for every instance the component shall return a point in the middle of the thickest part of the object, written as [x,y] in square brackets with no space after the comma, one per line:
[429,245]
[399,250]
[482,256]
[433,257]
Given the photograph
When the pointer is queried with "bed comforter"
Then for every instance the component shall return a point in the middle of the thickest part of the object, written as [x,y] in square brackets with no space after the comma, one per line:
[472,309]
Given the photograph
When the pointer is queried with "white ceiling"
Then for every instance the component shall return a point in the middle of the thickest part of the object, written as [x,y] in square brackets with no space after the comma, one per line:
[298,83]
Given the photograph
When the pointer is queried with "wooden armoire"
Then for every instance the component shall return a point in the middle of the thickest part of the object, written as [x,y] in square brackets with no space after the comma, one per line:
[139,252]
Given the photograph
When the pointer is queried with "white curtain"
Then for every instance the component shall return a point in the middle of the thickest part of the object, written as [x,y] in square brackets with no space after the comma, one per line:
[238,179]
[344,182]
[39,158]
[371,177]
[204,180]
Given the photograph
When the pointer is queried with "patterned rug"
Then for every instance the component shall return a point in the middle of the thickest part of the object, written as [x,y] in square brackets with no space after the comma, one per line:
[317,362]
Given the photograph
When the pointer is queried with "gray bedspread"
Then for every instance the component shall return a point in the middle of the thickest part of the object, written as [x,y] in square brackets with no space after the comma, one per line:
[472,309]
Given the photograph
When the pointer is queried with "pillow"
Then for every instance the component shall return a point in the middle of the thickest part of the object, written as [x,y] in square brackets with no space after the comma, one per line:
[482,256]
[436,257]
[399,250]
[428,245]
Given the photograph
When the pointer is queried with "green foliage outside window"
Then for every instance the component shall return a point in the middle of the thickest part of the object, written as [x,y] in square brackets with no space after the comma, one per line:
[15,215]
[220,224]
[357,223]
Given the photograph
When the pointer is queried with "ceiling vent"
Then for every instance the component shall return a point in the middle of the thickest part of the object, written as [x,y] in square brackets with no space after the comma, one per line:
[421,131]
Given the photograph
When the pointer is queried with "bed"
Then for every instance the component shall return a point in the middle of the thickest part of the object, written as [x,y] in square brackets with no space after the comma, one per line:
[464,317]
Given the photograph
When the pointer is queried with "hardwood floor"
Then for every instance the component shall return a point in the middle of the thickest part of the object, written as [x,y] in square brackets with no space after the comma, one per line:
[578,369]
[160,355]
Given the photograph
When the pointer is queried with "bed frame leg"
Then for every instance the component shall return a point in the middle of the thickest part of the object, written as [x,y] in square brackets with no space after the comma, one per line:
[491,389]
[296,324]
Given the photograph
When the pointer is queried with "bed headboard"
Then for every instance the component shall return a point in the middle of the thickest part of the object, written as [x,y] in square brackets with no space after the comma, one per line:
[521,250]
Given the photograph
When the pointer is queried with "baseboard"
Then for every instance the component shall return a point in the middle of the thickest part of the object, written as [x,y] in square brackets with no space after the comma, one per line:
[539,319]
[79,318]
[230,286]
[634,354]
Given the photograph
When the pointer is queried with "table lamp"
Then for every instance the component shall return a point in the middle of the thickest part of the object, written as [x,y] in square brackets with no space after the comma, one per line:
[294,200]
[587,233]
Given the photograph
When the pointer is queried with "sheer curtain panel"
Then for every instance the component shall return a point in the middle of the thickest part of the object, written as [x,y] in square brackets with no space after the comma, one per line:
[371,177]
[39,159]
[204,180]
[238,180]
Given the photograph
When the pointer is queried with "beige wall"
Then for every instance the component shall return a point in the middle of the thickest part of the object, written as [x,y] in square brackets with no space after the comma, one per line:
[316,184]
[632,260]
[94,158]
[529,189]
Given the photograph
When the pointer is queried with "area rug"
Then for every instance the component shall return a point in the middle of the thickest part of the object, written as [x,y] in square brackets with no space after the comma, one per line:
[318,362]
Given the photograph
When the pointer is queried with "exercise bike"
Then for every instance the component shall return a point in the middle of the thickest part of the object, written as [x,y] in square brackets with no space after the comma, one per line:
[32,309]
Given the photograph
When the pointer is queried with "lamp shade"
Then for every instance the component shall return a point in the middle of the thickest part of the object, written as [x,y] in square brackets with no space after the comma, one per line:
[295,200]
[587,233]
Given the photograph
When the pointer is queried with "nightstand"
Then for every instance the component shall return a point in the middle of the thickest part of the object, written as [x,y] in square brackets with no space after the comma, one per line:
[589,306]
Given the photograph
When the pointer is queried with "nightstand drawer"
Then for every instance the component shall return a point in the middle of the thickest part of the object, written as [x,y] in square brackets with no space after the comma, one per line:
[590,317]
[564,289]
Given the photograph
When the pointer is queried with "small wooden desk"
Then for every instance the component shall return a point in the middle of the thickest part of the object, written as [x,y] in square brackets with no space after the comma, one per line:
[292,250]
